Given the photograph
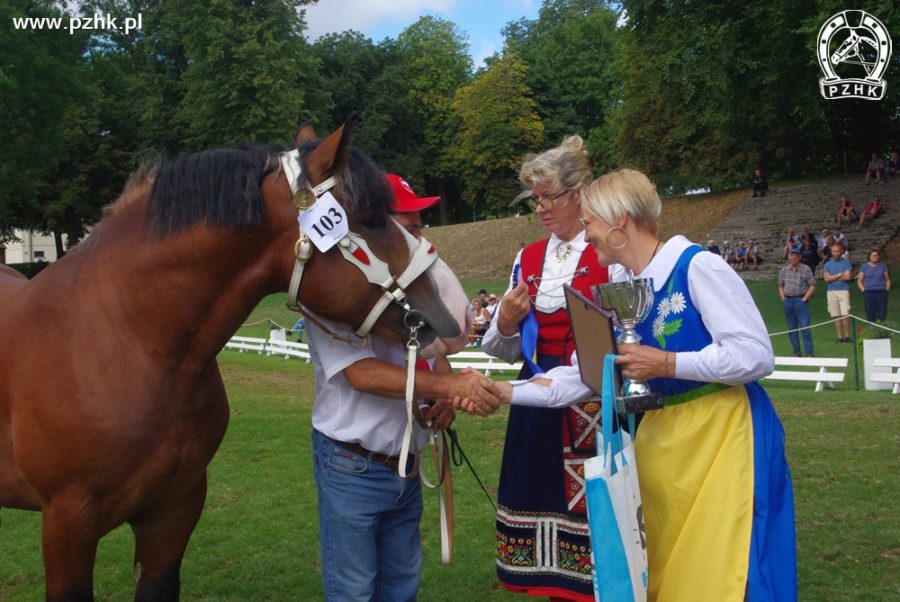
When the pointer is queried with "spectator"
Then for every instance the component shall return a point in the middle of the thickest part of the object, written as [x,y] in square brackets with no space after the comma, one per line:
[407,206]
[873,209]
[760,183]
[874,281]
[492,304]
[809,256]
[837,273]
[796,284]
[792,242]
[298,328]
[823,244]
[712,247]
[483,297]
[846,211]
[752,254]
[893,166]
[841,239]
[481,321]
[875,169]
[728,252]
[740,256]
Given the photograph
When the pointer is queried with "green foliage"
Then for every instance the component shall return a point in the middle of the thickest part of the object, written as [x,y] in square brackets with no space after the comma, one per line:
[498,121]
[42,81]
[570,51]
[30,269]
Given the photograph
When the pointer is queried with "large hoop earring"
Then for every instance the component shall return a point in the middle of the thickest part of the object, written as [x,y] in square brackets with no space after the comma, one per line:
[624,235]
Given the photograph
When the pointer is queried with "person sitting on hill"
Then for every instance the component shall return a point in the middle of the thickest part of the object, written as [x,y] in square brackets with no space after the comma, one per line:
[872,210]
[824,243]
[875,169]
[752,255]
[846,210]
[728,252]
[893,165]
[792,242]
[712,247]
[481,320]
[740,256]
[841,239]
[809,255]
[760,183]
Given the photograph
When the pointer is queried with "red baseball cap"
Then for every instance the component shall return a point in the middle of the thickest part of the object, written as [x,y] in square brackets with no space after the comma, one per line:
[405,199]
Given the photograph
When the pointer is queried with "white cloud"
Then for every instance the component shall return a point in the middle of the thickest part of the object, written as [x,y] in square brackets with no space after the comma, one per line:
[332,16]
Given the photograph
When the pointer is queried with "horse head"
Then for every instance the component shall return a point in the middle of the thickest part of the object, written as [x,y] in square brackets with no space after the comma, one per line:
[379,272]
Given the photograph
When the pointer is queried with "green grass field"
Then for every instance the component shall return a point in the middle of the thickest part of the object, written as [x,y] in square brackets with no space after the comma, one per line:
[257,538]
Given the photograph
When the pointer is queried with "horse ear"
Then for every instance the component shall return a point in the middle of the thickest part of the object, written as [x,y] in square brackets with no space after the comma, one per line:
[332,153]
[304,133]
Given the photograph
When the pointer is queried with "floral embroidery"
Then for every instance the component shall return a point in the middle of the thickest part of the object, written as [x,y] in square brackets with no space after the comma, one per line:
[670,305]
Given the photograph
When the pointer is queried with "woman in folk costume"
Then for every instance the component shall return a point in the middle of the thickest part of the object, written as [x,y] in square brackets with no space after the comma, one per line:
[716,490]
[543,547]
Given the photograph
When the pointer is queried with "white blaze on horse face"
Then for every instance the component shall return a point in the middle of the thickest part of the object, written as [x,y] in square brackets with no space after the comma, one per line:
[451,293]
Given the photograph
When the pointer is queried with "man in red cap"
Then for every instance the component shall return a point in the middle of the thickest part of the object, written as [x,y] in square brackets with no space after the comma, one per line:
[408,206]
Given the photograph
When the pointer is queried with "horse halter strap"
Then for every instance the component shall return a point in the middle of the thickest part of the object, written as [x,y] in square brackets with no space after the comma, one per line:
[304,197]
[377,272]
[354,249]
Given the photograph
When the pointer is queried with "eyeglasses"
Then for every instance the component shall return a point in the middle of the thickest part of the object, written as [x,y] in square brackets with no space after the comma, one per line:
[547,203]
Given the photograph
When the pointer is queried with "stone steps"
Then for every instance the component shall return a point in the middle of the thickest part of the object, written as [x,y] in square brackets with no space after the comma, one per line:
[813,206]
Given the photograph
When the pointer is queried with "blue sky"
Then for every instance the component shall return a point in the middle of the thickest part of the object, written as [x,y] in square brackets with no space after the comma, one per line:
[481,20]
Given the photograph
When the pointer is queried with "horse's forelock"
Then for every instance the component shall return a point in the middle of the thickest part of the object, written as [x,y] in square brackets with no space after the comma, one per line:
[362,187]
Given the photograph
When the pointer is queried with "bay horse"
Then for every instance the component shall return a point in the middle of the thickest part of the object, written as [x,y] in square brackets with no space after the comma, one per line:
[118,418]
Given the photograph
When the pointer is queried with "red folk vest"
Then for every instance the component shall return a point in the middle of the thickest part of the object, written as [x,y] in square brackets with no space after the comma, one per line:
[554,329]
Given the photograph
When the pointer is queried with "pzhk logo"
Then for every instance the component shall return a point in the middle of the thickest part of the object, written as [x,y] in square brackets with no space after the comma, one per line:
[857,49]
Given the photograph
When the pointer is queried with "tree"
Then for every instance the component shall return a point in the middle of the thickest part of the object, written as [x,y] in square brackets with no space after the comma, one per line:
[247,66]
[498,123]
[41,79]
[570,50]
[434,62]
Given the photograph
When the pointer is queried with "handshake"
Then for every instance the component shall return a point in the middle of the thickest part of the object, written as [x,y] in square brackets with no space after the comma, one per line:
[475,393]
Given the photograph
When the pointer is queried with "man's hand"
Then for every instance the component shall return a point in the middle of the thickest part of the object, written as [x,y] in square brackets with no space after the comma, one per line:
[467,405]
[514,307]
[482,393]
[441,414]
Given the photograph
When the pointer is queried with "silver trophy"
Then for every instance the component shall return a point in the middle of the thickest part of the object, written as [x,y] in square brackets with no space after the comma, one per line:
[630,303]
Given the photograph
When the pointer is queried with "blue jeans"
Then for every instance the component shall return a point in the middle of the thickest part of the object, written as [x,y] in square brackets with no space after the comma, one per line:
[796,312]
[368,526]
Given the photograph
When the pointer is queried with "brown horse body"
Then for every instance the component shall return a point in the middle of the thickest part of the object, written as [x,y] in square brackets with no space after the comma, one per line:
[115,417]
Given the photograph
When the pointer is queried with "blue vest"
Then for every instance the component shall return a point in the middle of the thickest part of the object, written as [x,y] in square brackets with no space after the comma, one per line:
[674,324]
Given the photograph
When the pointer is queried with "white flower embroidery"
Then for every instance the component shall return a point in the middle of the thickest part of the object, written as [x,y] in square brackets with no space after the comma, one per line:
[677,304]
[658,324]
[664,308]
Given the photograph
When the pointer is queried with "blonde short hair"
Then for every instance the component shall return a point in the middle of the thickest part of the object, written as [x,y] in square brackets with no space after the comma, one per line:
[620,192]
[560,168]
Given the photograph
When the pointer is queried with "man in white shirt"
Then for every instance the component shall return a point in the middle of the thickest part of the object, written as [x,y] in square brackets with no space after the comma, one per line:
[369,515]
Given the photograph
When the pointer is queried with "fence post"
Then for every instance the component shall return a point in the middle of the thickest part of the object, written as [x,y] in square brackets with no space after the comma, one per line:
[856,340]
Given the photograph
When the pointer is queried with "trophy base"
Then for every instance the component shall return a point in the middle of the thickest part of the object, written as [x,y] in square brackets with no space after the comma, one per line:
[639,403]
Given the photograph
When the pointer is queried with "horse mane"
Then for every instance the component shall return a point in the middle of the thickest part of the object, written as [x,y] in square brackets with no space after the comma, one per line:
[138,184]
[362,186]
[220,188]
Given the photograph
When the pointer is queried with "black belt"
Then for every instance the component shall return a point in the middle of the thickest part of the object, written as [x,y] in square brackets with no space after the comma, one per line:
[392,462]
[792,296]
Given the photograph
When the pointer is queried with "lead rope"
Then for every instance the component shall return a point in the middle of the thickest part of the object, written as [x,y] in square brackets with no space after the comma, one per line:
[437,445]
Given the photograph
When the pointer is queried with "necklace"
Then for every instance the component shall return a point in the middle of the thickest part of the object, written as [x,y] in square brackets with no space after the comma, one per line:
[563,251]
[655,249]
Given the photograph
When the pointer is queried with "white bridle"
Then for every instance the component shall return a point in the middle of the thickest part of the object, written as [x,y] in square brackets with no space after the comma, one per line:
[354,249]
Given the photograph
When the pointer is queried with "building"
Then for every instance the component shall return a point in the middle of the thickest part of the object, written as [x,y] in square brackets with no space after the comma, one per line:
[29,247]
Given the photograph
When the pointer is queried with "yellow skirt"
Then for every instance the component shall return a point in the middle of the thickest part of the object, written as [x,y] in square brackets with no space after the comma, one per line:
[695,464]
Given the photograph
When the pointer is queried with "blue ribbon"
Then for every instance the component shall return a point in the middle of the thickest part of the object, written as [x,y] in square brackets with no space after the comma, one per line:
[528,332]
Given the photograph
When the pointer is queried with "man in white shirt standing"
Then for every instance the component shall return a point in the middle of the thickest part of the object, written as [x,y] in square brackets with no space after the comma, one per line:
[368,515]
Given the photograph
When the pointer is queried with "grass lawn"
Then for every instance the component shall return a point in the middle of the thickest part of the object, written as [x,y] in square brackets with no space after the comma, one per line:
[257,538]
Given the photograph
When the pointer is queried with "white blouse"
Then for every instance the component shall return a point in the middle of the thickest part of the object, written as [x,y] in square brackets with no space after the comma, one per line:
[560,263]
[740,351]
